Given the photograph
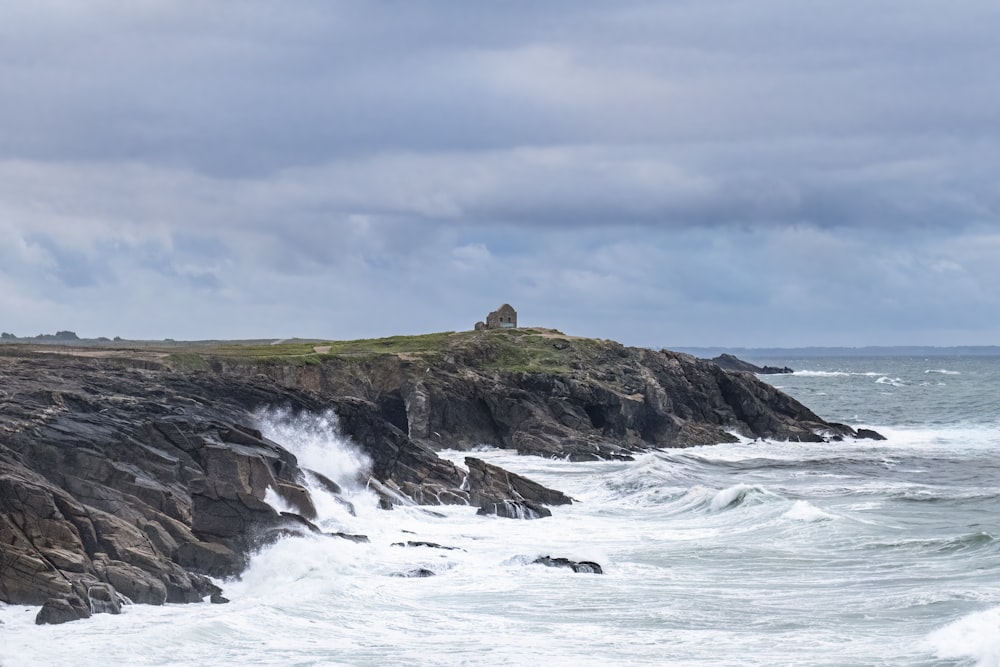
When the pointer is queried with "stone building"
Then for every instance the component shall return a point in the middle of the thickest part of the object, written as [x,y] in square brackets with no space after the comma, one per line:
[503,317]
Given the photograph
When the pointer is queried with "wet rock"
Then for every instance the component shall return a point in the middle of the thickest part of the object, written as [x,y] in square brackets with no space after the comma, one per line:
[429,545]
[416,573]
[583,566]
[513,509]
[733,363]
[104,599]
[502,493]
[217,598]
[211,558]
[361,539]
[868,434]
[136,584]
[62,610]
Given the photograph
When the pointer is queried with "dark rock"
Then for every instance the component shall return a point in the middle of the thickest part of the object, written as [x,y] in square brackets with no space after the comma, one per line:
[601,400]
[417,573]
[138,585]
[104,599]
[506,494]
[732,363]
[323,481]
[361,539]
[487,481]
[211,558]
[868,434]
[217,598]
[430,545]
[583,566]
[61,610]
[513,509]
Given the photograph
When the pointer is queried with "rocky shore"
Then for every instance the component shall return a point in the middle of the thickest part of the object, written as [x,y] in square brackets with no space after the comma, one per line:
[138,474]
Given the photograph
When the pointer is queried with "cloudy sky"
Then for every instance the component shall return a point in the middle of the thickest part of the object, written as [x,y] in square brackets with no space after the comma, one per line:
[676,173]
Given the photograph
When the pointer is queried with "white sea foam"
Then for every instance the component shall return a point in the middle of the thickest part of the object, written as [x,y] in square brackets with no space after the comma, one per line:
[272,498]
[943,371]
[803,510]
[836,374]
[894,382]
[316,442]
[737,495]
[976,636]
[822,373]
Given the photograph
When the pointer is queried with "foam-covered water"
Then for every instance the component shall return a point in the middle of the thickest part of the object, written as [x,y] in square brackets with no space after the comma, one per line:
[754,553]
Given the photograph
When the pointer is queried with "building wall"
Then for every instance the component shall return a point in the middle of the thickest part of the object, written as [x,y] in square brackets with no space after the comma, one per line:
[504,317]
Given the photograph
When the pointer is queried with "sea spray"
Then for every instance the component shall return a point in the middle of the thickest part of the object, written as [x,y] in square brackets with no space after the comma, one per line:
[317,443]
[975,636]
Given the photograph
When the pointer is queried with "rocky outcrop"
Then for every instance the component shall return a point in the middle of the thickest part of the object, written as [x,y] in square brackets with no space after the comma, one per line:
[733,363]
[132,478]
[541,392]
[506,494]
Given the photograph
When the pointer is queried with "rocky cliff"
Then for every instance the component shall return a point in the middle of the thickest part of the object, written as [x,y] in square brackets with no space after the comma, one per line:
[139,473]
[541,392]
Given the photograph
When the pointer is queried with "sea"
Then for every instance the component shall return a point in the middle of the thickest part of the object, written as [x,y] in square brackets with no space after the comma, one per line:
[754,553]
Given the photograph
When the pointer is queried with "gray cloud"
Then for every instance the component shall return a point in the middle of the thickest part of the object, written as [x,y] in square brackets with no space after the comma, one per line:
[704,173]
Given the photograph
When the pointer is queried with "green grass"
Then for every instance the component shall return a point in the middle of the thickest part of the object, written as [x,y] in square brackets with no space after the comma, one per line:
[512,350]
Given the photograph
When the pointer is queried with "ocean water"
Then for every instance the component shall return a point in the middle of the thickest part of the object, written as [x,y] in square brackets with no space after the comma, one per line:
[756,553]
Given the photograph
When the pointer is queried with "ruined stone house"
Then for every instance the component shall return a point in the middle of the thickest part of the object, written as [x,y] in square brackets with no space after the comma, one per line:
[504,317]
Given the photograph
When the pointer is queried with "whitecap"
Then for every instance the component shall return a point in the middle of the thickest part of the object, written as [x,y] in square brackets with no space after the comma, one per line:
[737,495]
[894,382]
[803,510]
[821,373]
[975,636]
[942,371]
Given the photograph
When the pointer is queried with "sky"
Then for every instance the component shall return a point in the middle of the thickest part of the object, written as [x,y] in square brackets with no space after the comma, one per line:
[663,173]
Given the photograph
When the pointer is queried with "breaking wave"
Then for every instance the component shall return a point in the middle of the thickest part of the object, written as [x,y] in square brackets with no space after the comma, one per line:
[975,636]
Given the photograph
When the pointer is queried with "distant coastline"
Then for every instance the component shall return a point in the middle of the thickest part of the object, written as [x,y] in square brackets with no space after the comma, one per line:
[869,351]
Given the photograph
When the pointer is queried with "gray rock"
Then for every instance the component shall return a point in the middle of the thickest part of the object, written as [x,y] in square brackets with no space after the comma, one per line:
[61,610]
[583,566]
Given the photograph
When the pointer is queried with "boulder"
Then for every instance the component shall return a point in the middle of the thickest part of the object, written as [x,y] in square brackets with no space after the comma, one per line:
[104,599]
[503,493]
[513,509]
[62,610]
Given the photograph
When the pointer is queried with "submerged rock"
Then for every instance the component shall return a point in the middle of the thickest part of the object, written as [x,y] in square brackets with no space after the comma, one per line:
[430,545]
[583,566]
[361,539]
[417,573]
